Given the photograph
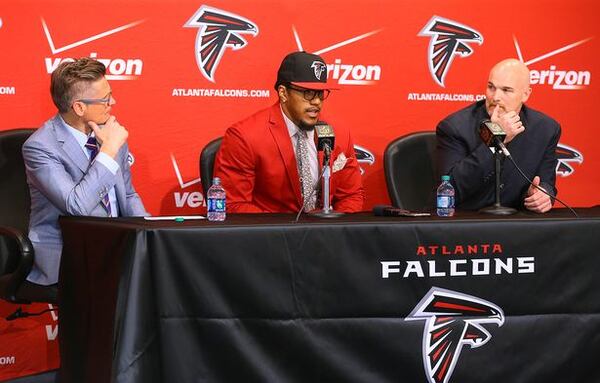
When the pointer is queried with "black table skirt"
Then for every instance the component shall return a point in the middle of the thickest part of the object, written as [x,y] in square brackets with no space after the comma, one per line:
[259,298]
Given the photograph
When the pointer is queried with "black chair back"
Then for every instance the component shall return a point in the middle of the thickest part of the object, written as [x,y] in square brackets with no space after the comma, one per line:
[14,192]
[207,163]
[16,251]
[410,171]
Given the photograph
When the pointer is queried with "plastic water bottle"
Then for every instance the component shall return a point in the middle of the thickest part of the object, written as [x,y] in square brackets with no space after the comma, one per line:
[215,198]
[445,198]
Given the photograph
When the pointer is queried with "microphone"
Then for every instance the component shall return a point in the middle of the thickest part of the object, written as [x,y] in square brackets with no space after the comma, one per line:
[17,314]
[325,139]
[390,211]
[324,136]
[492,134]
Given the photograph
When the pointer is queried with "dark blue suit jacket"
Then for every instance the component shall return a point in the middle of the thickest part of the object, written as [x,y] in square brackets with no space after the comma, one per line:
[470,163]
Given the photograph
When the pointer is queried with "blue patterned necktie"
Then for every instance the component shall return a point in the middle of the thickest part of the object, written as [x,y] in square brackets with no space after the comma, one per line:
[93,147]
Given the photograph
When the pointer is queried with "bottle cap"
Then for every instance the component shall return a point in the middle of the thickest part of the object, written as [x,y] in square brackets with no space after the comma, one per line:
[216,181]
[446,178]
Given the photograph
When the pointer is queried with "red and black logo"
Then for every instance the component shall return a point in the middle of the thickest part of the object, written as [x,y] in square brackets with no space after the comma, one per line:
[447,39]
[218,30]
[566,155]
[452,320]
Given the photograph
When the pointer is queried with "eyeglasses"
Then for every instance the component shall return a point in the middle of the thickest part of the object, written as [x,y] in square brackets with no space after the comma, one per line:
[310,94]
[105,100]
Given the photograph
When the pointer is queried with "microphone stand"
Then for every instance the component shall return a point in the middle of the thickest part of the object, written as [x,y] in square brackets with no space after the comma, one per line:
[497,208]
[327,211]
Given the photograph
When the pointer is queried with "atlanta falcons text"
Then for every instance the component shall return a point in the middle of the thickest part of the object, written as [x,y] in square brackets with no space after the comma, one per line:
[458,261]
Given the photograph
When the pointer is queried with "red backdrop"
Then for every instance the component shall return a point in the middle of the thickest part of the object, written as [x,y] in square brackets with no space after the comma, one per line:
[378,53]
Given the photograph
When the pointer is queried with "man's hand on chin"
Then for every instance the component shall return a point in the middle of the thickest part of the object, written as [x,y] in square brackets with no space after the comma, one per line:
[111,136]
[510,123]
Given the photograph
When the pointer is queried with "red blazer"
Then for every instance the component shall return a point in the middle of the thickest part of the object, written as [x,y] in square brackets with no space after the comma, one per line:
[257,167]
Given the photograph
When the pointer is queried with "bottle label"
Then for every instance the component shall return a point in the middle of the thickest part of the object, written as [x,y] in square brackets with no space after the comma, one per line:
[445,202]
[220,205]
[216,205]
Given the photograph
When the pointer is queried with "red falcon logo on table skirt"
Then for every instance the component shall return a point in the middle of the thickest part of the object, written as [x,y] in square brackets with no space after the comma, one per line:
[452,320]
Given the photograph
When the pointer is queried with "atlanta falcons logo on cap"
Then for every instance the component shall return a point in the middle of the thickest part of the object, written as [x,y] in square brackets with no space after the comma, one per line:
[319,68]
[452,320]
[448,39]
[218,30]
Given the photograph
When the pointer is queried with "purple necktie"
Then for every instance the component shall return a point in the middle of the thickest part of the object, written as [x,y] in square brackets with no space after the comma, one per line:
[92,146]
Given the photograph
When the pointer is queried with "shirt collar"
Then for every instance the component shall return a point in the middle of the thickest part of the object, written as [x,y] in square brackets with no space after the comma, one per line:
[293,128]
[79,136]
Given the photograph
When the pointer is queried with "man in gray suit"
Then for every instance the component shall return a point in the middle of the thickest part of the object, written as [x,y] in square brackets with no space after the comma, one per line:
[76,163]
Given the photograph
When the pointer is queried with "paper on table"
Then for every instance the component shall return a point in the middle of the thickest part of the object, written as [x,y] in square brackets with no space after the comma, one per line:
[173,217]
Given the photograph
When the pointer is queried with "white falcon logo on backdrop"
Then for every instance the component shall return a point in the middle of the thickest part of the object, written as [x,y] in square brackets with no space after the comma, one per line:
[218,30]
[447,39]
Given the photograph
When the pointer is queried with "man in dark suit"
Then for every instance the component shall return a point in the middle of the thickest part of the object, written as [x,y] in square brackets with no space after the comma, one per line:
[76,163]
[260,160]
[531,138]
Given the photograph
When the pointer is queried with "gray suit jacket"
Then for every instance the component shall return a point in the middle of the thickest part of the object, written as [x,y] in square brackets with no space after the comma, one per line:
[62,182]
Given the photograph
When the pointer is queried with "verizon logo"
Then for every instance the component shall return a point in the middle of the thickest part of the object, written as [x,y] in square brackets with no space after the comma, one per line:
[347,74]
[191,199]
[561,79]
[116,68]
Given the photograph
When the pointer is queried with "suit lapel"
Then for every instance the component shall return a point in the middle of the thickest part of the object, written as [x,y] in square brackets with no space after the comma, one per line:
[286,150]
[518,146]
[69,145]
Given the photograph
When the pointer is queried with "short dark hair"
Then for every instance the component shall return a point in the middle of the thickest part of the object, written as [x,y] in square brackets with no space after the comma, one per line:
[279,82]
[70,78]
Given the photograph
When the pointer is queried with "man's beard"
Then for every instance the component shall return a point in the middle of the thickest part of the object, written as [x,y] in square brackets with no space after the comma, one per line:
[306,127]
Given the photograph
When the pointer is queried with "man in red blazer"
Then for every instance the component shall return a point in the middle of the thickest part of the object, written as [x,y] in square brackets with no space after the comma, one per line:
[261,158]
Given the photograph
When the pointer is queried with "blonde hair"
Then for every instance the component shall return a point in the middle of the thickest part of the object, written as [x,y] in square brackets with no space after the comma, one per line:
[70,79]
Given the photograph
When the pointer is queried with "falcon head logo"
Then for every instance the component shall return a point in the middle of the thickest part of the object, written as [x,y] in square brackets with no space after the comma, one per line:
[218,30]
[565,155]
[447,39]
[363,156]
[319,67]
[452,320]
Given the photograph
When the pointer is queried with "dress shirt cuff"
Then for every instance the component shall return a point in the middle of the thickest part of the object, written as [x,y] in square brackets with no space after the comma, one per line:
[107,161]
